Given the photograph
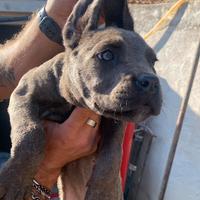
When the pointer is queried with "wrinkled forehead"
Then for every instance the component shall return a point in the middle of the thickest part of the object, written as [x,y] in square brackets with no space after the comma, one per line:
[116,37]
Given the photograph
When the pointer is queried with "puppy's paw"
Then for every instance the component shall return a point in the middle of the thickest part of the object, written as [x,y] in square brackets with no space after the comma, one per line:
[2,191]
[14,183]
[16,193]
[14,189]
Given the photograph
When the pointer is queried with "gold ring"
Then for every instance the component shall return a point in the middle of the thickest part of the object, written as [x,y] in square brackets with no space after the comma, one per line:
[91,123]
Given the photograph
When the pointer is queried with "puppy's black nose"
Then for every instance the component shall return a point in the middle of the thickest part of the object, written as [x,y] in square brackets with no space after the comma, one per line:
[147,83]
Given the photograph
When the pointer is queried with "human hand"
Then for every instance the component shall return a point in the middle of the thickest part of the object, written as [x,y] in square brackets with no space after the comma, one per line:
[67,142]
[59,10]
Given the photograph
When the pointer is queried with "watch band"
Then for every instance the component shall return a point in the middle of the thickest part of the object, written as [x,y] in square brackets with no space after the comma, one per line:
[49,27]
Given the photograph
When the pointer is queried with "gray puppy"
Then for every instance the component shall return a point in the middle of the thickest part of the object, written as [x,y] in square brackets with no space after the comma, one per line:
[108,70]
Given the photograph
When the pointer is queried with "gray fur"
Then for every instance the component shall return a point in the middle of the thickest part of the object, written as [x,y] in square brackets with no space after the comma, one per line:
[7,76]
[78,78]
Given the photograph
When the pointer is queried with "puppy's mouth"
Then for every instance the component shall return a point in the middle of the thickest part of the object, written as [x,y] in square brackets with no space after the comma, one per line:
[135,114]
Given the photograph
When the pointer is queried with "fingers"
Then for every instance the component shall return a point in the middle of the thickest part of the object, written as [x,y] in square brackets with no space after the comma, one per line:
[77,122]
[74,135]
[76,128]
[87,133]
[79,118]
[83,114]
[86,136]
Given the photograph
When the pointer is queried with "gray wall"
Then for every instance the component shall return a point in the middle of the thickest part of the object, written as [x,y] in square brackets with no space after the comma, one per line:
[175,45]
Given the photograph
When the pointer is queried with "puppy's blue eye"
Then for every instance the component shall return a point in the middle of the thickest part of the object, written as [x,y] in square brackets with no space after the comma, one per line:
[106,55]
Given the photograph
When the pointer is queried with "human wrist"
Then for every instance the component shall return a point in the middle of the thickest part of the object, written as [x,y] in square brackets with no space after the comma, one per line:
[49,27]
[47,177]
[60,11]
[58,19]
[39,191]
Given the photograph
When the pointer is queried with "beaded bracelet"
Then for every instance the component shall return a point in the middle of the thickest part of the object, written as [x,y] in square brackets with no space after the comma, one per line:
[46,193]
[34,196]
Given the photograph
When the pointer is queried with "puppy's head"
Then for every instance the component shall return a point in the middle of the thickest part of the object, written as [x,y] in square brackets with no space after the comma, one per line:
[111,69]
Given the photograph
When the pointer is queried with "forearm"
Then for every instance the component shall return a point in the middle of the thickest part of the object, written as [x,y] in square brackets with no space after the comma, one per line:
[47,178]
[46,181]
[30,48]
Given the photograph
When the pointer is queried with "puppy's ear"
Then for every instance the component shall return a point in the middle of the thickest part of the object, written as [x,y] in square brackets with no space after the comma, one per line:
[116,13]
[128,22]
[84,17]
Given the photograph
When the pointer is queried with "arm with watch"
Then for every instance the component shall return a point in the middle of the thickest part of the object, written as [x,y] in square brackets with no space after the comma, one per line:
[35,44]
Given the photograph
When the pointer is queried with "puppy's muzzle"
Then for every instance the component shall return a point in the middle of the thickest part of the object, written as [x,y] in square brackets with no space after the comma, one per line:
[148,89]
[147,83]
